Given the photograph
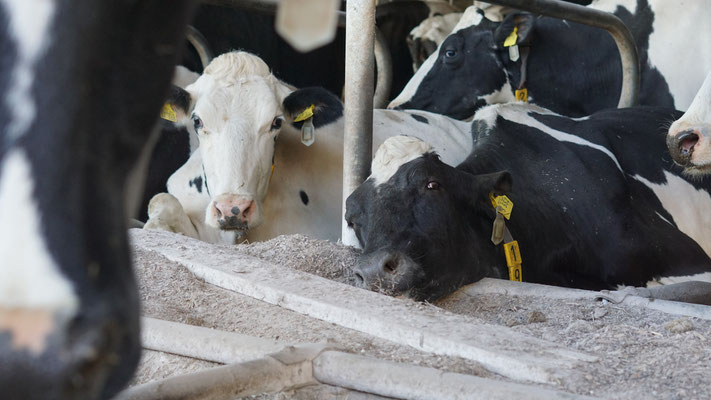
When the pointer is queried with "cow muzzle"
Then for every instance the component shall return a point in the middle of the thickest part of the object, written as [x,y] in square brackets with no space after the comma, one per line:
[232,212]
[682,145]
[388,271]
[41,357]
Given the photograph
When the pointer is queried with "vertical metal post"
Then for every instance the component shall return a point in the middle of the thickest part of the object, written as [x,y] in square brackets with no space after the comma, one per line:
[359,85]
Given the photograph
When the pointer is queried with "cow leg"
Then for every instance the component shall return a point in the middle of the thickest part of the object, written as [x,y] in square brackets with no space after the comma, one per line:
[165,213]
[697,292]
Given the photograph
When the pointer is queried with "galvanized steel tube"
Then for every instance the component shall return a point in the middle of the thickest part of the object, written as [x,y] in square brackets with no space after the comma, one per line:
[358,133]
[600,19]
[202,47]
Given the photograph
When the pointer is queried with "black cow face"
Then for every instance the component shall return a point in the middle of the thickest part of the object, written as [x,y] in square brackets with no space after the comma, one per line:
[471,69]
[426,231]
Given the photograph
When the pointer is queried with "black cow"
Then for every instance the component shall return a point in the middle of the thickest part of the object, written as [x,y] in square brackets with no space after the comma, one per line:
[597,203]
[571,68]
[82,84]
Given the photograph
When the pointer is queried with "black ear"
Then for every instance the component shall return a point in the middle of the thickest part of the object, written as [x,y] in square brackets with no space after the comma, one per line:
[327,107]
[524,23]
[179,102]
[480,186]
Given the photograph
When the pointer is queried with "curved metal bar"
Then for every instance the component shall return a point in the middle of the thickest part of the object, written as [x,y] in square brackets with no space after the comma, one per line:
[384,68]
[600,19]
[198,41]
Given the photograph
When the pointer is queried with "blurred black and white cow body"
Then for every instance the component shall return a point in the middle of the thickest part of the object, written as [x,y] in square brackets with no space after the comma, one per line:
[82,83]
[571,69]
[689,137]
[597,203]
[251,176]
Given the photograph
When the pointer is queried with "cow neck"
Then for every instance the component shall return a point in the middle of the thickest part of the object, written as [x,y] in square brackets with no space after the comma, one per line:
[521,93]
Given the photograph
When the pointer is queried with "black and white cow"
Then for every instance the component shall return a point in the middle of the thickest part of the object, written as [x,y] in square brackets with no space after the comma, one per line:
[689,137]
[597,203]
[571,69]
[82,83]
[251,176]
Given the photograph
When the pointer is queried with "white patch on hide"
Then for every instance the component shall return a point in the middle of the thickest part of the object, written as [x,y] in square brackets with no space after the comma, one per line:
[393,153]
[519,113]
[690,208]
[30,277]
[28,25]
[669,280]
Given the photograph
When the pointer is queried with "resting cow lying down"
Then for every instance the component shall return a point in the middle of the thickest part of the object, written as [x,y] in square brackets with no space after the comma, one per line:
[251,176]
[596,203]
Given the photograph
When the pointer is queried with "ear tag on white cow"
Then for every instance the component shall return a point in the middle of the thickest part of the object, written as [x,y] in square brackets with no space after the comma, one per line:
[307,132]
[497,234]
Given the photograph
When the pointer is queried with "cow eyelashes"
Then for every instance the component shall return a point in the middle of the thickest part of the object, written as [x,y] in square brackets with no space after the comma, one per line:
[197,122]
[276,123]
[433,185]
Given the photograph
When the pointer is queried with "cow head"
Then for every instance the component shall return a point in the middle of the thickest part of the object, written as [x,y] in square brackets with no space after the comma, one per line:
[689,138]
[470,69]
[82,83]
[238,109]
[424,226]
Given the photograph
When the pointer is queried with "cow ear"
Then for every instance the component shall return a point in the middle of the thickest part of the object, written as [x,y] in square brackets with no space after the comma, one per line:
[523,22]
[327,107]
[177,106]
[496,183]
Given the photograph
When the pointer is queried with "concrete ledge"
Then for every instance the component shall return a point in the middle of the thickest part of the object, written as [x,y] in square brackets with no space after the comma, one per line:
[498,349]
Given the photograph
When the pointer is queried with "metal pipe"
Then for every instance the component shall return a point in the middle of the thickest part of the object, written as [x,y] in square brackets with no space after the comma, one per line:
[358,132]
[198,41]
[600,19]
[384,66]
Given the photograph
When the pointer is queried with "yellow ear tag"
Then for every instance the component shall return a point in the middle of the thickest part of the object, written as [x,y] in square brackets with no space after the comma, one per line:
[306,114]
[513,260]
[512,38]
[522,95]
[502,204]
[167,112]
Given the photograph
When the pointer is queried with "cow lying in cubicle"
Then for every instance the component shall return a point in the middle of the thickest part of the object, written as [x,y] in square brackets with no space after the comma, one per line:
[588,203]
[269,160]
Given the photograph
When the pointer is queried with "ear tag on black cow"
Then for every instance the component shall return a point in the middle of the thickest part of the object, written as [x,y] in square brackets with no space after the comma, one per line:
[510,42]
[497,234]
[307,128]
[168,113]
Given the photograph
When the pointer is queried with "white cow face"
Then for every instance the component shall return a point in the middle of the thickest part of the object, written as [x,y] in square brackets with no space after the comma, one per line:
[237,115]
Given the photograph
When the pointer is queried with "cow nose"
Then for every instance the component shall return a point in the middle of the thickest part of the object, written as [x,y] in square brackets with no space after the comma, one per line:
[681,146]
[389,270]
[233,212]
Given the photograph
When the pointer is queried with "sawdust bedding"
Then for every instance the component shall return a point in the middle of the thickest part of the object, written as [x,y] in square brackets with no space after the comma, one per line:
[643,353]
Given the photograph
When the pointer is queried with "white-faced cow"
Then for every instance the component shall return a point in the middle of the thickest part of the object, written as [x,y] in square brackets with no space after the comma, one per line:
[596,203]
[689,137]
[251,176]
[82,84]
[566,67]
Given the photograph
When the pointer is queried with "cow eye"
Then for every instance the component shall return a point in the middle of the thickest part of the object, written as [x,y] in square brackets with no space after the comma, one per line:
[432,185]
[197,122]
[450,53]
[276,124]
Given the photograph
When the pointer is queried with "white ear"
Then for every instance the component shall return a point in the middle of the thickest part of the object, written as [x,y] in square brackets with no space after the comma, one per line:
[393,153]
